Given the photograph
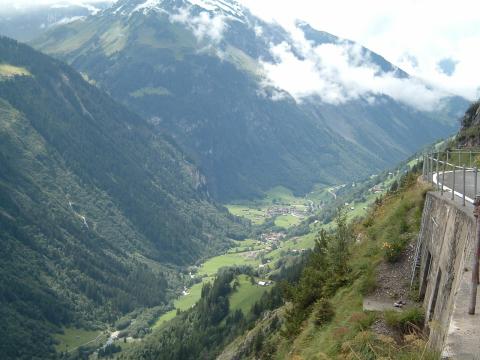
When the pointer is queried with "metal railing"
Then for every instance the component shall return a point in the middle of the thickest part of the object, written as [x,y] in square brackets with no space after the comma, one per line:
[458,165]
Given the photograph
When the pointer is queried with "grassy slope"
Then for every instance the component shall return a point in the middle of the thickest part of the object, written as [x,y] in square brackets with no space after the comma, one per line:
[366,255]
[246,295]
[383,224]
[208,269]
[287,221]
[8,70]
[73,338]
[211,267]
[184,302]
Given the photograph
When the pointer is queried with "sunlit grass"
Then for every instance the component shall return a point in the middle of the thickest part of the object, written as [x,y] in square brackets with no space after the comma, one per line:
[7,70]
[73,338]
[246,295]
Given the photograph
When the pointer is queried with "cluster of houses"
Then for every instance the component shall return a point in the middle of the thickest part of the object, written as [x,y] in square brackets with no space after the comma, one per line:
[285,210]
[272,237]
[377,189]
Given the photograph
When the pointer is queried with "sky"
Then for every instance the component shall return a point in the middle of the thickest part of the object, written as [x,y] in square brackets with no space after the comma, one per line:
[435,41]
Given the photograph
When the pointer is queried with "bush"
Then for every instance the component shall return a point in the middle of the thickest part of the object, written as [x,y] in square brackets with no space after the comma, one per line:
[362,321]
[406,321]
[368,281]
[393,250]
[324,312]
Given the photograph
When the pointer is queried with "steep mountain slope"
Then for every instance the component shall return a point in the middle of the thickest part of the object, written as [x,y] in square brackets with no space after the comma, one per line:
[96,212]
[195,70]
[469,134]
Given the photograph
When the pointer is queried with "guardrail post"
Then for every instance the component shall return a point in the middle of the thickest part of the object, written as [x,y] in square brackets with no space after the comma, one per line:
[429,164]
[464,183]
[438,173]
[443,174]
[475,171]
[427,159]
[428,167]
[476,255]
[431,167]
[453,182]
[423,166]
[470,159]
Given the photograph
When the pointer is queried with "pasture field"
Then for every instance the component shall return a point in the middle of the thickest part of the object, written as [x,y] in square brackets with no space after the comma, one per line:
[246,295]
[211,266]
[287,221]
[7,70]
[73,338]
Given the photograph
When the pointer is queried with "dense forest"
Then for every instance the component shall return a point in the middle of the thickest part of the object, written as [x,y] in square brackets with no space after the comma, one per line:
[96,212]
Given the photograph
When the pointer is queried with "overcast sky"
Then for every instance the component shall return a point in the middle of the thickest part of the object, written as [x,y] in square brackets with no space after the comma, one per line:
[417,35]
[413,34]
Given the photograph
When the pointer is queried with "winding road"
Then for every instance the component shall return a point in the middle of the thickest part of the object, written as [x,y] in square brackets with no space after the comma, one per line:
[448,181]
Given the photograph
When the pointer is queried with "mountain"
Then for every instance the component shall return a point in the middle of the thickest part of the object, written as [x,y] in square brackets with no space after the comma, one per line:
[469,134]
[25,23]
[97,213]
[196,70]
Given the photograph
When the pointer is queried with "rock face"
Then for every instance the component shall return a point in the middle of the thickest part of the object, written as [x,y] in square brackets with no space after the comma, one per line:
[469,135]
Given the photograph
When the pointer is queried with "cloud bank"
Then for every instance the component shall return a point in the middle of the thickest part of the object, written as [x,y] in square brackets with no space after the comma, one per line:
[338,73]
[414,35]
[204,26]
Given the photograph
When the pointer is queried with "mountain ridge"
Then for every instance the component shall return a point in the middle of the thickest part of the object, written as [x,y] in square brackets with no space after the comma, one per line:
[197,75]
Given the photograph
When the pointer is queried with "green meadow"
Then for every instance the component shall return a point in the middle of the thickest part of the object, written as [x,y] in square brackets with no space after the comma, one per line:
[246,294]
[73,338]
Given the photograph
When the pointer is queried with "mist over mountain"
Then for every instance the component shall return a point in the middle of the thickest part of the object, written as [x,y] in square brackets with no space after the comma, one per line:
[217,79]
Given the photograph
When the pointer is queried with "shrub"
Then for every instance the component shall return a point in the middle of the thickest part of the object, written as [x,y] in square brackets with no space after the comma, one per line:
[393,250]
[368,281]
[406,321]
[324,312]
[362,321]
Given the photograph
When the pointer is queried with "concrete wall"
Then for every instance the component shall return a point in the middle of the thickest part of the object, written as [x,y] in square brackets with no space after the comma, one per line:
[446,243]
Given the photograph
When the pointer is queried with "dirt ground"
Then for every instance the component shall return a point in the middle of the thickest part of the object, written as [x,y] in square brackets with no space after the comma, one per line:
[393,285]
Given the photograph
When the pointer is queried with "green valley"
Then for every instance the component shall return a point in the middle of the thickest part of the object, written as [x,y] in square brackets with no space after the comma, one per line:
[217,179]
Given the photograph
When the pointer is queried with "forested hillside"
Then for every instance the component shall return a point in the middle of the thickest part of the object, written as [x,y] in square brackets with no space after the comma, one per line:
[96,212]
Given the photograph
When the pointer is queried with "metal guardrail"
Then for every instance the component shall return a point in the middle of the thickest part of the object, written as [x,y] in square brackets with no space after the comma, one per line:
[436,165]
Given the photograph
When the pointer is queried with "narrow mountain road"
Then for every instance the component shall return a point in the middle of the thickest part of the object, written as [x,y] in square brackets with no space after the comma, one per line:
[448,181]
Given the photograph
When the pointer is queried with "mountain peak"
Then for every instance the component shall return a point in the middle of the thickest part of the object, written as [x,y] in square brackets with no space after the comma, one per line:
[230,8]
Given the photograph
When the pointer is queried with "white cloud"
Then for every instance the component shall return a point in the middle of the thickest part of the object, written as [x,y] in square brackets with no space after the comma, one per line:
[338,73]
[67,20]
[413,34]
[427,30]
[204,25]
